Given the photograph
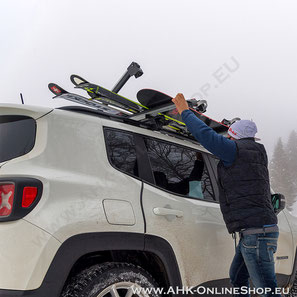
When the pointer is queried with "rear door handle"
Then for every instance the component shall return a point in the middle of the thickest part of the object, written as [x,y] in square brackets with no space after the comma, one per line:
[162,211]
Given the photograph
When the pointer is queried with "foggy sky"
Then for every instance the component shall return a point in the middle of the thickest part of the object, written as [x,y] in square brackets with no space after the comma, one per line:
[239,55]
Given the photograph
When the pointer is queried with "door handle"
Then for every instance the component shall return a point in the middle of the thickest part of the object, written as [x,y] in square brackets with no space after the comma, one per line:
[162,211]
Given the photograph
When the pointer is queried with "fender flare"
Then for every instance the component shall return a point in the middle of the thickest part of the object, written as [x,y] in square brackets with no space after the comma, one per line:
[79,245]
[293,275]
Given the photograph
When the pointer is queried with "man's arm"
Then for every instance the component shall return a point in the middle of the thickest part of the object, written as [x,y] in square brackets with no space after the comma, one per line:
[220,146]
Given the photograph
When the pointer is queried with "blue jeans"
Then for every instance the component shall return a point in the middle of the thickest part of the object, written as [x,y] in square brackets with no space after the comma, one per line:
[254,259]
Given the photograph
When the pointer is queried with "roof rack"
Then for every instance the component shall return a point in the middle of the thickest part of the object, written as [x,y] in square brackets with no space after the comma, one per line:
[110,105]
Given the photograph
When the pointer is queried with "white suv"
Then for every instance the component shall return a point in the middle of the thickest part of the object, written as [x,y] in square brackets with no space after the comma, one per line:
[95,205]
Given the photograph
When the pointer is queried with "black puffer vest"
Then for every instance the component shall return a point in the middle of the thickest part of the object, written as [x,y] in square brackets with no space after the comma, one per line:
[245,198]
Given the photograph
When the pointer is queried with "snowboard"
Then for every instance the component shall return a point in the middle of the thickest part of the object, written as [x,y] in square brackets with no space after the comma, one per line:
[91,102]
[156,100]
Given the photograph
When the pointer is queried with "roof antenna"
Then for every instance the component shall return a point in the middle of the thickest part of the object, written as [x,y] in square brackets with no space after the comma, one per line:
[22,98]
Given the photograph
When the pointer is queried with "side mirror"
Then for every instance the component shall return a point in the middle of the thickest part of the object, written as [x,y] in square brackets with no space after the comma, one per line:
[278,202]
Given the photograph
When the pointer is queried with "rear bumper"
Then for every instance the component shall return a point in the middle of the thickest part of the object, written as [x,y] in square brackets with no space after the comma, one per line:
[17,293]
[26,252]
[30,293]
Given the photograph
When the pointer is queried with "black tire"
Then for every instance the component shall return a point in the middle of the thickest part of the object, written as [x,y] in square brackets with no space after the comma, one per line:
[293,290]
[98,280]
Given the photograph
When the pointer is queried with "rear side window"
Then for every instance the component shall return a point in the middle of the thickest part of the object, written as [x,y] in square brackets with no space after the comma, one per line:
[179,169]
[121,151]
[17,136]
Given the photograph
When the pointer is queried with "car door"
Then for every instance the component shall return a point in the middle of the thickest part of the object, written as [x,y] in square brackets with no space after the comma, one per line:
[180,206]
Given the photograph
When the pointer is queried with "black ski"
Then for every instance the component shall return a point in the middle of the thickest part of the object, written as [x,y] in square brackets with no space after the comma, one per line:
[106,96]
[160,121]
[129,105]
[91,102]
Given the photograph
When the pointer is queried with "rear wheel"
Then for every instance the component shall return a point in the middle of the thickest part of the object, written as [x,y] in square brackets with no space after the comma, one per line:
[293,290]
[111,280]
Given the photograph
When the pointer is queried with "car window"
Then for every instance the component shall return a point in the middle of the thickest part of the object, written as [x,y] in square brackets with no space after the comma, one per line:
[179,169]
[214,163]
[17,135]
[121,151]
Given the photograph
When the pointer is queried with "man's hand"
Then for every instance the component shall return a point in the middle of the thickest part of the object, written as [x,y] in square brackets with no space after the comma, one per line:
[180,103]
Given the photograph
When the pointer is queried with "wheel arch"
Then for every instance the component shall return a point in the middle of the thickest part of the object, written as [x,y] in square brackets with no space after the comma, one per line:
[294,270]
[77,246]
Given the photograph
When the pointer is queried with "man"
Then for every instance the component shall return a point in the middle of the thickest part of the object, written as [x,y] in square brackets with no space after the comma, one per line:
[245,198]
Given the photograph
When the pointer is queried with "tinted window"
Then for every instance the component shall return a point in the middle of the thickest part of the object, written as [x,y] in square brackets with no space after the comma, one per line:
[214,163]
[179,170]
[121,151]
[17,136]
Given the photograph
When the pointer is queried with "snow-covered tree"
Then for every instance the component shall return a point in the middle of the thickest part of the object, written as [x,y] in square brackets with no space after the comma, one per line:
[280,175]
[291,150]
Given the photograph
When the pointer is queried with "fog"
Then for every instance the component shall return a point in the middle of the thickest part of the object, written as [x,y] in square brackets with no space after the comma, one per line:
[238,55]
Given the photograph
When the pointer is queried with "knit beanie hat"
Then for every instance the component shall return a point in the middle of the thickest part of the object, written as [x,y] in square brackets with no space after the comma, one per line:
[243,129]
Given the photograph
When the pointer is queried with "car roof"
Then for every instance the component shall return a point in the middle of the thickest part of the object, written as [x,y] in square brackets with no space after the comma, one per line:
[146,129]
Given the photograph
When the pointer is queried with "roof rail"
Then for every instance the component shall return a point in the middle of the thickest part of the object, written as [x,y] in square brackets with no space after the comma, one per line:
[150,125]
